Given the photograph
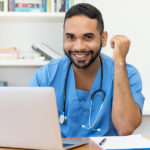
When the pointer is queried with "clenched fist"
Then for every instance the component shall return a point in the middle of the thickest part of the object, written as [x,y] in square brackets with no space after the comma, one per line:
[120,45]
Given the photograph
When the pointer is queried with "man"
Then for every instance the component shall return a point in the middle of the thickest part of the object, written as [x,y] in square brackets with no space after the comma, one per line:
[96,95]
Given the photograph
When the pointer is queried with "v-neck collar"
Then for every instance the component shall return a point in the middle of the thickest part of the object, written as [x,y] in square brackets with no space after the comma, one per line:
[95,85]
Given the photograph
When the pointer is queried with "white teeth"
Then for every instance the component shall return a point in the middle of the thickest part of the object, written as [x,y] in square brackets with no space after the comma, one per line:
[80,56]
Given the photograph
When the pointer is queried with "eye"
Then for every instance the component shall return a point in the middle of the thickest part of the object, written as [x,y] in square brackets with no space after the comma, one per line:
[70,36]
[89,36]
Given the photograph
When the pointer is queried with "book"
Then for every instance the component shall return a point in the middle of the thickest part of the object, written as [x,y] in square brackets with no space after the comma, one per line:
[55,5]
[12,5]
[29,9]
[46,51]
[29,6]
[9,53]
[1,5]
[10,49]
[5,5]
[44,5]
[58,5]
[29,1]
[67,4]
[48,6]
[36,5]
[52,6]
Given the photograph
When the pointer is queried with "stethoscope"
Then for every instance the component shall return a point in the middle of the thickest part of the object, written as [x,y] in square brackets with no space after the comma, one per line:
[63,118]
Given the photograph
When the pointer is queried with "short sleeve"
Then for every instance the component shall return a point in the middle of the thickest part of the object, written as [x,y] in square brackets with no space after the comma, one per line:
[42,77]
[34,82]
[136,86]
[45,75]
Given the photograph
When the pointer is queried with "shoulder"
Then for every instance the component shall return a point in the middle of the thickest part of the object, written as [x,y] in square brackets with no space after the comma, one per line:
[109,64]
[46,74]
[107,59]
[55,64]
[132,69]
[133,75]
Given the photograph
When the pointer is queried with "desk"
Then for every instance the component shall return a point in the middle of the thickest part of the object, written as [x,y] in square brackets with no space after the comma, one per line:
[90,146]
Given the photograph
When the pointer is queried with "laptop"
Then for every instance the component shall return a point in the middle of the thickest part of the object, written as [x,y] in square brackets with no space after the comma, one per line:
[29,119]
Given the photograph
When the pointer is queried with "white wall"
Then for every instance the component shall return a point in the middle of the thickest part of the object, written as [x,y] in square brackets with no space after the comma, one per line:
[24,34]
[131,18]
[17,76]
[144,127]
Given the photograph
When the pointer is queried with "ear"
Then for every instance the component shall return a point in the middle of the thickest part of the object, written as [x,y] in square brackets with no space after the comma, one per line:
[104,38]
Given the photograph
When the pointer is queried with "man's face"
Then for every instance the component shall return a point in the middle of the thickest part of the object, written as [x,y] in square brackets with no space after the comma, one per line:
[82,41]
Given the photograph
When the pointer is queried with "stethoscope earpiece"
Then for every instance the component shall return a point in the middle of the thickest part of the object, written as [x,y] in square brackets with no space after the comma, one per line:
[83,126]
[98,129]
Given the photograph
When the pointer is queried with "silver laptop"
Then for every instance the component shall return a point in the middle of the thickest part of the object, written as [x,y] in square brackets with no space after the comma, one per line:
[29,119]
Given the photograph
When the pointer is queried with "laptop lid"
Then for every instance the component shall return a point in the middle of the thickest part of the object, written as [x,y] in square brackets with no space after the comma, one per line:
[29,118]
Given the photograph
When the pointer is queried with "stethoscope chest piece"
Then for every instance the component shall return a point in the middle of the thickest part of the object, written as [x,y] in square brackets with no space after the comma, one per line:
[62,119]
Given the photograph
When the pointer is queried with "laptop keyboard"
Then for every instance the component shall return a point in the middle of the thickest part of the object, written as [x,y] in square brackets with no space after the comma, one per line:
[65,144]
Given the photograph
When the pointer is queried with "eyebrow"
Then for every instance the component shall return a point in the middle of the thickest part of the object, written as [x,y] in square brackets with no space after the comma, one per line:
[89,34]
[86,34]
[70,34]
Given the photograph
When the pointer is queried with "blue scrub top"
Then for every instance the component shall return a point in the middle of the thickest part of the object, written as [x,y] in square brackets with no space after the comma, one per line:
[78,102]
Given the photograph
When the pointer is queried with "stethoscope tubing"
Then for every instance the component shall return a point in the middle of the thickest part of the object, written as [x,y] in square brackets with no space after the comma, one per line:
[92,96]
[64,103]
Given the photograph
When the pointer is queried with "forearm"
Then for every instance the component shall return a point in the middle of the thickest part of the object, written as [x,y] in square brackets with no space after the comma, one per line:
[125,112]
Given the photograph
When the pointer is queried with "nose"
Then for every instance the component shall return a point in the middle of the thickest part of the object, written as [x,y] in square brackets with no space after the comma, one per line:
[79,45]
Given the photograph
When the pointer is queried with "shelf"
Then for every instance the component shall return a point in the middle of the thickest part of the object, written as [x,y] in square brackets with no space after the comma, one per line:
[31,16]
[22,62]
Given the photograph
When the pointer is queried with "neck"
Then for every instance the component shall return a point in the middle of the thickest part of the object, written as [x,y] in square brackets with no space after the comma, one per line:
[84,78]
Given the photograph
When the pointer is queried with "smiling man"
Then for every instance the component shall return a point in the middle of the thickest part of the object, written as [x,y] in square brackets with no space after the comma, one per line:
[96,95]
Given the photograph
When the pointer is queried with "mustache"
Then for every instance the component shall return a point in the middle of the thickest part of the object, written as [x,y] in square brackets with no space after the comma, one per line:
[81,51]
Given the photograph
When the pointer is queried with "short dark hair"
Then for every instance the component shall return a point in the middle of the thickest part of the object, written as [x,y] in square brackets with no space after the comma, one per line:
[87,10]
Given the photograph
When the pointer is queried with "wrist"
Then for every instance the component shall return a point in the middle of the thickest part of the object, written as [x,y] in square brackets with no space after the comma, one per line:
[120,62]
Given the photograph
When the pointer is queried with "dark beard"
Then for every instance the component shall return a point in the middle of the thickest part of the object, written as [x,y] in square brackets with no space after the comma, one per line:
[83,51]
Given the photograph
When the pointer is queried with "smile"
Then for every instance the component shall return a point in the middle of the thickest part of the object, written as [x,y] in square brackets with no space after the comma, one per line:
[80,56]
